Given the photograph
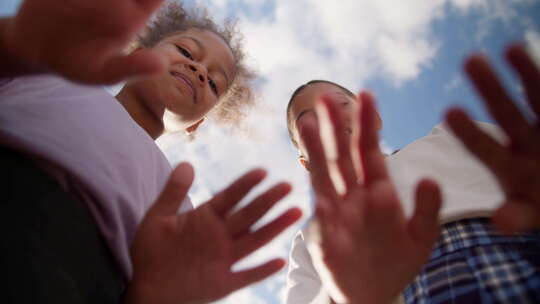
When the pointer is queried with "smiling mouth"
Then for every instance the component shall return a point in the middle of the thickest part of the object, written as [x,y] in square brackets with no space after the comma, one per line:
[186,83]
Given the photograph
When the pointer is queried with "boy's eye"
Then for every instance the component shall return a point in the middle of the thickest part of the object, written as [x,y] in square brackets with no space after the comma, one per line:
[184,52]
[213,86]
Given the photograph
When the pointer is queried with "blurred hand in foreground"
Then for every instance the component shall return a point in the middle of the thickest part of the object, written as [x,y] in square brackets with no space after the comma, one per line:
[82,40]
[516,164]
[370,248]
[187,258]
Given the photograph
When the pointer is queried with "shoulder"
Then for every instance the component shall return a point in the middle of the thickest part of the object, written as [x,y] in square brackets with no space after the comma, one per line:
[442,139]
[5,81]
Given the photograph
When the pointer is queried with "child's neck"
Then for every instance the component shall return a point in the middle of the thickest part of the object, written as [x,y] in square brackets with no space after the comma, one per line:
[140,112]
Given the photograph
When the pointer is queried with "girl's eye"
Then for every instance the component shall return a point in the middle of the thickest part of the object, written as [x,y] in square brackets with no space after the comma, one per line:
[213,86]
[184,52]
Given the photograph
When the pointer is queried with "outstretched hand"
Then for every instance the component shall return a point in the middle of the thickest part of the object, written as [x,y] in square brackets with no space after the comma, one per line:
[370,248]
[187,258]
[516,164]
[83,40]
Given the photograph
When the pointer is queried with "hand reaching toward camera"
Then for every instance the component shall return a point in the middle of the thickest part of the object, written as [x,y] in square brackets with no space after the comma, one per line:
[371,250]
[187,258]
[82,40]
[516,164]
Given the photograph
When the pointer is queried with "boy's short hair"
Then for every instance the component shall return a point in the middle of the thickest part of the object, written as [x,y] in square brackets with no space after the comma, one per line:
[174,17]
[290,119]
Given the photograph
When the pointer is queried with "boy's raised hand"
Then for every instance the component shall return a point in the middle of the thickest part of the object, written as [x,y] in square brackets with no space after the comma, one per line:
[516,164]
[187,258]
[370,248]
[82,40]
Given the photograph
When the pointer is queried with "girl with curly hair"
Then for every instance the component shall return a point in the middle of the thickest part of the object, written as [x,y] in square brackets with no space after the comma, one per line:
[90,207]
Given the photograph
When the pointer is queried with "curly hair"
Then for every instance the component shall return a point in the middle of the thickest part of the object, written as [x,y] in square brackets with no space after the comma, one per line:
[173,18]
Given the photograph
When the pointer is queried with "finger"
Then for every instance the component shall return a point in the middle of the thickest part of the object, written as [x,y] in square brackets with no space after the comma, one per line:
[424,224]
[497,100]
[528,71]
[240,222]
[255,240]
[224,201]
[485,148]
[327,217]
[318,165]
[372,158]
[342,139]
[244,278]
[175,190]
[517,216]
[142,63]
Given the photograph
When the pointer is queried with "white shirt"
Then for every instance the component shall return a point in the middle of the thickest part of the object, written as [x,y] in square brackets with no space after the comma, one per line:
[468,188]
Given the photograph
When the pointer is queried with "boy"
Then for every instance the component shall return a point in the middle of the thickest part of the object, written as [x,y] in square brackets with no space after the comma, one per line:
[369,251]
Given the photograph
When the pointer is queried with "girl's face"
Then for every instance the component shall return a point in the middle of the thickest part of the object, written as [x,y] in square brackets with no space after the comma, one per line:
[201,70]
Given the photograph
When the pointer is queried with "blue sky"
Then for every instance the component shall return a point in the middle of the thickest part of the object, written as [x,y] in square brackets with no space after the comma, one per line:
[410,110]
[8,7]
[409,53]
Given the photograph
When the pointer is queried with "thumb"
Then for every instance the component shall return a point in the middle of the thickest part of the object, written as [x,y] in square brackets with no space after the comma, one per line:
[424,224]
[138,64]
[175,190]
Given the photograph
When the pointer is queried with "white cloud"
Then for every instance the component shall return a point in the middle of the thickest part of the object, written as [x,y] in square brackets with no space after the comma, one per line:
[453,83]
[466,5]
[490,13]
[409,61]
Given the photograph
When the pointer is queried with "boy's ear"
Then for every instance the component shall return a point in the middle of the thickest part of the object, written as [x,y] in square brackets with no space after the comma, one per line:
[195,126]
[304,162]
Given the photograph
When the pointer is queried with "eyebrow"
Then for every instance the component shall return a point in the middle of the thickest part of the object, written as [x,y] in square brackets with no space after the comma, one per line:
[312,110]
[218,67]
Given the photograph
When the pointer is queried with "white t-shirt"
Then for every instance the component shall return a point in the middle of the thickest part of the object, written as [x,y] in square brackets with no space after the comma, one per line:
[85,138]
[468,188]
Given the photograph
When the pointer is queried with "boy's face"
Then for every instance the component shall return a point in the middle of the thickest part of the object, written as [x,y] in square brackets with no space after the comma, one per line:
[201,70]
[304,106]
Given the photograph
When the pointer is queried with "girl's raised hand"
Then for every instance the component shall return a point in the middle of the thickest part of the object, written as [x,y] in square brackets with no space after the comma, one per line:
[370,248]
[82,40]
[187,258]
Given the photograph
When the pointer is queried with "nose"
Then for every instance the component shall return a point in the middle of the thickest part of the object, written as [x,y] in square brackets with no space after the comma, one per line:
[199,71]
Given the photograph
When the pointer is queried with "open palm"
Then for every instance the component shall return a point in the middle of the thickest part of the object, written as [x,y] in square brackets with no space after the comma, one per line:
[187,258]
[83,40]
[371,249]
[515,164]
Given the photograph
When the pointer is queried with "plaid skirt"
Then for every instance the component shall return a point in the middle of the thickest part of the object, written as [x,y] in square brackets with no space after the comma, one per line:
[473,263]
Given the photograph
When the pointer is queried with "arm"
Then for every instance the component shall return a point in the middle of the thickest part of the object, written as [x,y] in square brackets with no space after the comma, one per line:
[83,41]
